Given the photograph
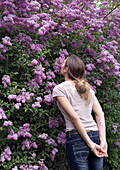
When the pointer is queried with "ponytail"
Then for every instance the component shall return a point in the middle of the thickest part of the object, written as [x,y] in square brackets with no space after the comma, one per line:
[83,89]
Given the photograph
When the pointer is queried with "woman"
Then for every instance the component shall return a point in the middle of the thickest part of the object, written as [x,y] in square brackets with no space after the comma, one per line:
[86,139]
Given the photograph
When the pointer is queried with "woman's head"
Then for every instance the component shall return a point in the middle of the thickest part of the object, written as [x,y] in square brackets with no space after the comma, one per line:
[73,67]
[76,68]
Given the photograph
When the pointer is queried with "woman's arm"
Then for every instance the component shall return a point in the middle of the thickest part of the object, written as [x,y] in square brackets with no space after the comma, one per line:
[79,126]
[100,120]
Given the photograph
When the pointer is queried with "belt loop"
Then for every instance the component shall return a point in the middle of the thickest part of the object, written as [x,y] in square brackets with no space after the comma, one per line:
[69,134]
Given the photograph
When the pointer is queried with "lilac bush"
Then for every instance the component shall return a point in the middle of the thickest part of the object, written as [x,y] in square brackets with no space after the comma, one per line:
[36,36]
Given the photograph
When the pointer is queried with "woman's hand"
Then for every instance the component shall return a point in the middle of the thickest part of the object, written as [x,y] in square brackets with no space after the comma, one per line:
[104,147]
[99,151]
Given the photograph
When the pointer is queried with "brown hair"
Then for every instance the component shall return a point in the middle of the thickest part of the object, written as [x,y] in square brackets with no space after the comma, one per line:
[76,72]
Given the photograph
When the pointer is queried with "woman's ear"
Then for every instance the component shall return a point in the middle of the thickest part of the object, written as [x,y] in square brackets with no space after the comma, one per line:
[66,70]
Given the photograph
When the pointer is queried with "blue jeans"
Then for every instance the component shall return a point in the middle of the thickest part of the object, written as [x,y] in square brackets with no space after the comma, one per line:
[79,155]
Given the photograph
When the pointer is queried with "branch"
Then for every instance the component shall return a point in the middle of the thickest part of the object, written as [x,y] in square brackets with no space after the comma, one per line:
[111,11]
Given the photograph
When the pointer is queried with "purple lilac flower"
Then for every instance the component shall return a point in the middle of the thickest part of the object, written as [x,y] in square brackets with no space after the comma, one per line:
[7,123]
[28,144]
[2,114]
[50,75]
[12,96]
[24,131]
[3,48]
[48,99]
[42,165]
[6,41]
[101,38]
[2,57]
[90,67]
[34,62]
[98,82]
[60,60]
[39,76]
[5,80]
[33,155]
[17,105]
[52,155]
[51,142]
[29,167]
[53,123]
[43,136]
[15,168]
[117,143]
[61,138]
[36,104]
[115,127]
[50,86]
[12,135]
[6,155]
[36,47]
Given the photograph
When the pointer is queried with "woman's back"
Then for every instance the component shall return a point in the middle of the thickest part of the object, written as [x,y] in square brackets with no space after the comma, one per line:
[68,90]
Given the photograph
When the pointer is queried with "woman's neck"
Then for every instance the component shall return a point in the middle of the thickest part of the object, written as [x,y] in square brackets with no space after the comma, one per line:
[67,79]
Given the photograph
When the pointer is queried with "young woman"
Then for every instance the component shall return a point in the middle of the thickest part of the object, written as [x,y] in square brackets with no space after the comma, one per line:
[86,139]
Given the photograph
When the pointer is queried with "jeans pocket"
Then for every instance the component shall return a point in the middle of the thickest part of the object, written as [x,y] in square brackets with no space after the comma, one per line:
[81,151]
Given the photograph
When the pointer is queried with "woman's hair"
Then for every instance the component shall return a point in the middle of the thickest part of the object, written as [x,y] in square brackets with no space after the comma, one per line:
[76,72]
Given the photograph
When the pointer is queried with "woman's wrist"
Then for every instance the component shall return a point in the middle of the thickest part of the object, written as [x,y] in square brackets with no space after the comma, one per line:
[91,145]
[103,141]
[94,147]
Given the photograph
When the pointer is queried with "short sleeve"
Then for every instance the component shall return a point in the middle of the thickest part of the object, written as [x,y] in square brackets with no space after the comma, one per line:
[58,91]
[92,91]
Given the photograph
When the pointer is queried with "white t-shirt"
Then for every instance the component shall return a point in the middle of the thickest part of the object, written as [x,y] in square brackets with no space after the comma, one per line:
[84,111]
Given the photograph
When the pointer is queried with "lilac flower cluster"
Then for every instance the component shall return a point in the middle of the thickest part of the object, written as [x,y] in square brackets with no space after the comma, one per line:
[5,80]
[28,167]
[50,74]
[48,99]
[6,155]
[37,104]
[98,82]
[3,48]
[34,62]
[115,127]
[36,47]
[40,166]
[43,136]
[47,26]
[117,143]
[28,144]
[23,98]
[60,60]
[24,131]
[39,76]
[51,141]
[52,155]
[7,123]
[23,39]
[61,138]
[6,41]
[90,66]
[50,86]
[2,114]
[2,57]
[53,123]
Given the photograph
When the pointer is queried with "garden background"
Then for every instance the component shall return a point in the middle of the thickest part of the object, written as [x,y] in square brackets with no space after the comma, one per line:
[35,37]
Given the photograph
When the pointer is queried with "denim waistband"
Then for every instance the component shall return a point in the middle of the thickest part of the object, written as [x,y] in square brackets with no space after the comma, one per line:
[75,132]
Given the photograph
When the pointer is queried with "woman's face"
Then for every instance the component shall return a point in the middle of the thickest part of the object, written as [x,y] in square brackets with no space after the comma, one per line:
[63,70]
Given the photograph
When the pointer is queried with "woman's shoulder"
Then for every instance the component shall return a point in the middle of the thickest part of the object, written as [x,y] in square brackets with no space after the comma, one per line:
[62,86]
